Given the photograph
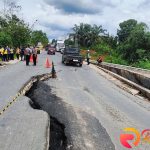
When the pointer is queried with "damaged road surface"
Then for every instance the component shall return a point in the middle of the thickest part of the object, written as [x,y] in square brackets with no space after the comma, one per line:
[86,89]
[86,110]
[71,128]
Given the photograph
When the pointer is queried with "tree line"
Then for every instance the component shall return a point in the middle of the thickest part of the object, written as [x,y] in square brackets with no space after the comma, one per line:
[15,32]
[131,45]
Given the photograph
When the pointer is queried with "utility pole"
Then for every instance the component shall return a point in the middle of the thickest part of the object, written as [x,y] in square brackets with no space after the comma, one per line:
[76,40]
[32,26]
[5,4]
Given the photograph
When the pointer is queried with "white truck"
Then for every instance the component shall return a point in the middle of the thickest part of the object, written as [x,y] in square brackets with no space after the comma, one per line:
[60,46]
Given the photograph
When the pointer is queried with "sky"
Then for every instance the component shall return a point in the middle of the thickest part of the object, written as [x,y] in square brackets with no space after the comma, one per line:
[57,17]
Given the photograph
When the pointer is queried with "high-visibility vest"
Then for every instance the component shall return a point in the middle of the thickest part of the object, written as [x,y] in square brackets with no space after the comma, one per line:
[11,51]
[5,52]
[2,51]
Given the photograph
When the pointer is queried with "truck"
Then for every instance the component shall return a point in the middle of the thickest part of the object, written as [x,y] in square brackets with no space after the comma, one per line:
[72,56]
[39,47]
[51,50]
[60,46]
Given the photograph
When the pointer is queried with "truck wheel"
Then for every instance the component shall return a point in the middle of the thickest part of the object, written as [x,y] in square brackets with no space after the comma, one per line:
[80,65]
[66,63]
[63,61]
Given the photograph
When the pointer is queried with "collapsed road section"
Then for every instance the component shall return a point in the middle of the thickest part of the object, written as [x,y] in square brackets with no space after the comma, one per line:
[71,128]
[66,127]
[22,127]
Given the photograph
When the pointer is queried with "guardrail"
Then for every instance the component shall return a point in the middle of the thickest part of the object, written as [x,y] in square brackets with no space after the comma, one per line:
[138,76]
[135,77]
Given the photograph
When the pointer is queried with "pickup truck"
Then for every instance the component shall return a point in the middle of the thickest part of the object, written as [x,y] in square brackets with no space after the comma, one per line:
[51,50]
[72,56]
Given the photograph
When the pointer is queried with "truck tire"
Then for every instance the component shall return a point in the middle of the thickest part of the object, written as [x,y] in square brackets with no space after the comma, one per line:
[62,60]
[80,65]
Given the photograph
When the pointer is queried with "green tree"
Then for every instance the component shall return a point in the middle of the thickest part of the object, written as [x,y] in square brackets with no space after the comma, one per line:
[14,31]
[109,40]
[69,42]
[134,48]
[125,29]
[54,41]
[39,36]
[19,31]
[12,26]
[86,34]
[5,39]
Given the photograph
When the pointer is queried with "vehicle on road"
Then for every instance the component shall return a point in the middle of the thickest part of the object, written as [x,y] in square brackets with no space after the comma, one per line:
[39,47]
[39,50]
[72,56]
[62,51]
[51,50]
[60,46]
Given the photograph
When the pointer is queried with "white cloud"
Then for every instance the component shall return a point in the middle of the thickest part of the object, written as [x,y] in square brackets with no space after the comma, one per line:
[56,19]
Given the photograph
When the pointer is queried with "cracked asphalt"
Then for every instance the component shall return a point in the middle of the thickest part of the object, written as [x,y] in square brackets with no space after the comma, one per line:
[87,90]
[13,77]
[82,130]
[84,90]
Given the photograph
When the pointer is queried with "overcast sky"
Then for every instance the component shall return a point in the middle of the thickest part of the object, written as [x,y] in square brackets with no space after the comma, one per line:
[57,17]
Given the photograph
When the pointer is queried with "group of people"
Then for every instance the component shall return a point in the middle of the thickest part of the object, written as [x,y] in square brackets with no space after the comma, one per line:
[7,54]
[30,52]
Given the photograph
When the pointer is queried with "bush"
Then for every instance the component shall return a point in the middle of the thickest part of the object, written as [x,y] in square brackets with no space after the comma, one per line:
[116,59]
[145,64]
[102,48]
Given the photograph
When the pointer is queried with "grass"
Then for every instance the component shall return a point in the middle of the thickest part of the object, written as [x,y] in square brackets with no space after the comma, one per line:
[143,64]
[116,59]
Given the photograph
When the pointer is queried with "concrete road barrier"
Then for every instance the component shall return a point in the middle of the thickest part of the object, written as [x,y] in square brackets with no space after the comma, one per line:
[135,77]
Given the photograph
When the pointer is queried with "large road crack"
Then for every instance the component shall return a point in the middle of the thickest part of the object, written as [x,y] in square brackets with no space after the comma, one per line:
[82,131]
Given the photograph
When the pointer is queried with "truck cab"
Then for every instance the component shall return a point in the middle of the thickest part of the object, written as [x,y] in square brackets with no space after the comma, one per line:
[72,56]
[60,46]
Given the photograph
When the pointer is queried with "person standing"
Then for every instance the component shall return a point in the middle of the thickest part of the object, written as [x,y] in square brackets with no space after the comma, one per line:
[5,55]
[28,52]
[11,54]
[34,52]
[8,53]
[22,53]
[1,55]
[88,57]
[18,53]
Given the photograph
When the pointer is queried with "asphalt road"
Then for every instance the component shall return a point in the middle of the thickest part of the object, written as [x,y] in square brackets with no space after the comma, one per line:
[22,127]
[86,89]
[13,77]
